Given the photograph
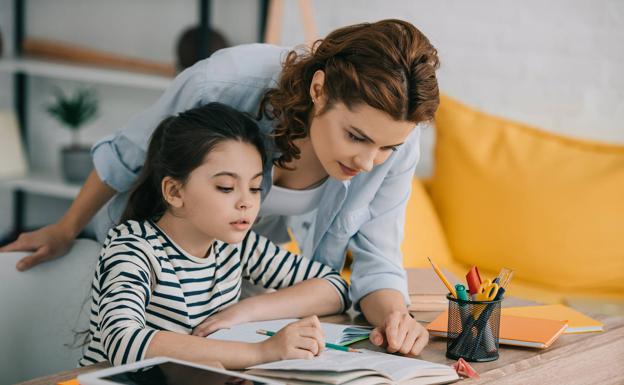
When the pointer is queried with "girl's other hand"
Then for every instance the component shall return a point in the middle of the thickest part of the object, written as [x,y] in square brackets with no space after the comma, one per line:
[301,339]
[225,319]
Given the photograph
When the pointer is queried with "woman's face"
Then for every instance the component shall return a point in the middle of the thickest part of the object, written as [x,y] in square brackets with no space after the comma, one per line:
[350,141]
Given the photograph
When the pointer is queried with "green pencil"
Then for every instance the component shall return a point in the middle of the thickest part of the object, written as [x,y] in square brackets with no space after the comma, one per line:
[327,345]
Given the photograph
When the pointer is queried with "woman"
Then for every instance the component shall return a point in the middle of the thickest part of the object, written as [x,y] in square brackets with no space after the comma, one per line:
[343,143]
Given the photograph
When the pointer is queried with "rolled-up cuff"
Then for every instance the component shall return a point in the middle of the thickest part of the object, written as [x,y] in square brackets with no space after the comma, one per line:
[109,166]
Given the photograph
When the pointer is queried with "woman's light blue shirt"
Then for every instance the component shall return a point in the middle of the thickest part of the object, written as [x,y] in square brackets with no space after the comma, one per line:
[365,214]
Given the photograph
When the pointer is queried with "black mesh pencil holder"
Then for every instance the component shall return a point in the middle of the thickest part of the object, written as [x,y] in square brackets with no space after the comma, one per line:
[473,328]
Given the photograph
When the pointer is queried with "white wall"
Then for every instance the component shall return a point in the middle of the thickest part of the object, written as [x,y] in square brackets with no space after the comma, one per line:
[554,64]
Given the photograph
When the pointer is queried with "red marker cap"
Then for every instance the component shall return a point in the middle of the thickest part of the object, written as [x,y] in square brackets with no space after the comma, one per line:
[474,280]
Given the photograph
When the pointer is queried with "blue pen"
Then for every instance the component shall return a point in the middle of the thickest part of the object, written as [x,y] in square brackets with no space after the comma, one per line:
[462,295]
[464,311]
[485,332]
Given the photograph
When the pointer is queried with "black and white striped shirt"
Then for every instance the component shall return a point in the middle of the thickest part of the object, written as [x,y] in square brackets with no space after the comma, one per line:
[144,283]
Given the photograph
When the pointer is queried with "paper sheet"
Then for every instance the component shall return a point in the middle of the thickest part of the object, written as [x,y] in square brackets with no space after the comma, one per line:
[334,333]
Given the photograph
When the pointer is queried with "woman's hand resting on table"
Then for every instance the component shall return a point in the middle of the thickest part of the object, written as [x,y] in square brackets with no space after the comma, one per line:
[400,333]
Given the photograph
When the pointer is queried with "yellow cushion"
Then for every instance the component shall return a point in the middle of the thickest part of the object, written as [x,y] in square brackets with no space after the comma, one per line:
[548,207]
[423,236]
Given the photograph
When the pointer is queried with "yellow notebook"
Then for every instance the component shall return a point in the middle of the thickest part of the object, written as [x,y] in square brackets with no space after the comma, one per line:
[577,321]
[516,331]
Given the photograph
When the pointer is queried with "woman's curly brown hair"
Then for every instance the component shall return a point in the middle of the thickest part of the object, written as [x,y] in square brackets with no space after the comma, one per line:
[389,65]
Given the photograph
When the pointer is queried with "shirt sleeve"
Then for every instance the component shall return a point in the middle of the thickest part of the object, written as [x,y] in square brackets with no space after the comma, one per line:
[124,275]
[271,266]
[376,246]
[227,76]
[118,158]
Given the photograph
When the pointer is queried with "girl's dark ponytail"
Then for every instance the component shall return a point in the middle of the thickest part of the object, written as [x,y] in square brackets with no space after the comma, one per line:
[146,201]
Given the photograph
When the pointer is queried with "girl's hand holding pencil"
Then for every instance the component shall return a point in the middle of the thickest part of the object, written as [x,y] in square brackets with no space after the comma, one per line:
[327,345]
[301,339]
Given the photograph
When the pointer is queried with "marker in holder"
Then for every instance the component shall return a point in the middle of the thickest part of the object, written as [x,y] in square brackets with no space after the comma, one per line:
[473,329]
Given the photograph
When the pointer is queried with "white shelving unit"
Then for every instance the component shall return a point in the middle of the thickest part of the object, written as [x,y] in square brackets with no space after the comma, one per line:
[44,184]
[23,67]
[70,71]
[55,186]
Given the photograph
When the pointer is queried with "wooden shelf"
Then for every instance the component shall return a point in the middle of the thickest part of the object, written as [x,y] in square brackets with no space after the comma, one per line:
[70,71]
[44,184]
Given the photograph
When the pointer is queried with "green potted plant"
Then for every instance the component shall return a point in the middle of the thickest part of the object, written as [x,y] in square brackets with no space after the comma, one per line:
[73,112]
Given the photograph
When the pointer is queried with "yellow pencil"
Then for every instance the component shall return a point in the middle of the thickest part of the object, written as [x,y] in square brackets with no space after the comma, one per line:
[443,278]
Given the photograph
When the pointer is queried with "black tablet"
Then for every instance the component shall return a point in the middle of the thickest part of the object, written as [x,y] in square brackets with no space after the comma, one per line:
[169,371]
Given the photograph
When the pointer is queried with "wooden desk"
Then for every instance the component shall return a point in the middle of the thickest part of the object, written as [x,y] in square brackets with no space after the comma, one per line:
[591,358]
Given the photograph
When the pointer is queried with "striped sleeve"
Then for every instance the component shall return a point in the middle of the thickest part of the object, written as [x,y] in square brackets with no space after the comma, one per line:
[271,266]
[124,278]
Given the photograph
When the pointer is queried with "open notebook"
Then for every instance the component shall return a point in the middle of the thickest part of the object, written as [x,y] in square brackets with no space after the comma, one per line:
[334,333]
[366,368]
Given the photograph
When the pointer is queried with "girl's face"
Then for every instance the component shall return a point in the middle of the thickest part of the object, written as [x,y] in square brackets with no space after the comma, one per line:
[221,198]
[349,141]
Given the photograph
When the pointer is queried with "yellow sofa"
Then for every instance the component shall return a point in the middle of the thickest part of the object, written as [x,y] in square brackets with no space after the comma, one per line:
[504,194]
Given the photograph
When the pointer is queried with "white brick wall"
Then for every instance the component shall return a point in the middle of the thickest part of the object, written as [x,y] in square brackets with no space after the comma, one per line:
[557,64]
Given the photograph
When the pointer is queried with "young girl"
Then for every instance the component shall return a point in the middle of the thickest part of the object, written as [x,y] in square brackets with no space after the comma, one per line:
[184,245]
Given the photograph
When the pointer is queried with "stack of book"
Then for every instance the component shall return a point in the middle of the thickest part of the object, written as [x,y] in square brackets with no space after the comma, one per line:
[532,326]
[426,291]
